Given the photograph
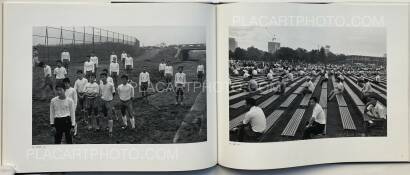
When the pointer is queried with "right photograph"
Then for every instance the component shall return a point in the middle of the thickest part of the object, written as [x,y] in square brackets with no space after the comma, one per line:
[298,83]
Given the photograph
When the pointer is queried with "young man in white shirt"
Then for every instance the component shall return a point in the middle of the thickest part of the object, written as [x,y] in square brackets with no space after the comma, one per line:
[94,60]
[374,110]
[65,58]
[114,71]
[113,56]
[169,72]
[161,69]
[70,92]
[62,116]
[129,64]
[377,79]
[144,81]
[123,56]
[108,78]
[337,90]
[88,67]
[367,90]
[91,92]
[47,80]
[180,80]
[107,91]
[252,84]
[309,88]
[126,94]
[317,122]
[59,72]
[200,71]
[79,87]
[254,123]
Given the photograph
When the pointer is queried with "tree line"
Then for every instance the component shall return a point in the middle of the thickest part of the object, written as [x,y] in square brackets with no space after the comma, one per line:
[298,55]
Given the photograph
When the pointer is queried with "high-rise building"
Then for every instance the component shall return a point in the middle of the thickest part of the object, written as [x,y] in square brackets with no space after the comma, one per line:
[273,46]
[327,50]
[233,44]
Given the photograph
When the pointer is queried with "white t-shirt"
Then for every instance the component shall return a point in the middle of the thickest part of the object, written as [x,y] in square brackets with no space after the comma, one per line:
[162,66]
[169,70]
[88,66]
[144,77]
[125,92]
[106,91]
[62,108]
[257,119]
[112,57]
[60,72]
[200,68]
[129,61]
[47,71]
[123,56]
[310,86]
[109,80]
[180,78]
[114,67]
[270,76]
[65,56]
[319,114]
[94,60]
[80,84]
[72,93]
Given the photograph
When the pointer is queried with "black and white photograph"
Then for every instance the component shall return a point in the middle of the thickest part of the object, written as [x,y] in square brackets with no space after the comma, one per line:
[118,85]
[291,83]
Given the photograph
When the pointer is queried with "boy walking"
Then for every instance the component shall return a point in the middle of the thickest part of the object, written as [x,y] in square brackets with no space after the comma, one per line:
[91,91]
[107,92]
[126,94]
[144,81]
[59,73]
[62,116]
[71,93]
[180,80]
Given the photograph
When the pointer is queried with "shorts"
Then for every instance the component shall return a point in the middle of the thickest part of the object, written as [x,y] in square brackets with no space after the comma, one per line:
[144,86]
[48,82]
[128,67]
[200,74]
[180,89]
[105,107]
[168,77]
[59,81]
[161,72]
[91,104]
[81,100]
[65,62]
[125,106]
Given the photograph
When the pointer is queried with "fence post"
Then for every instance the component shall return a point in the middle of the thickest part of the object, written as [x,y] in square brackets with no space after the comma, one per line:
[73,36]
[48,51]
[84,37]
[93,39]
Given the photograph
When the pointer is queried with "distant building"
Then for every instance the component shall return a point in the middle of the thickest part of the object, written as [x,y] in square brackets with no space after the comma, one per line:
[366,59]
[137,43]
[233,44]
[327,50]
[273,46]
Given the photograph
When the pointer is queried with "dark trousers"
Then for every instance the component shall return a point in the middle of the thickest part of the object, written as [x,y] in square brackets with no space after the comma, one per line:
[63,126]
[315,128]
[246,134]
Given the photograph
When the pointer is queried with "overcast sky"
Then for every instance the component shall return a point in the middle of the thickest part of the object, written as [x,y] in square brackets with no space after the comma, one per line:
[149,35]
[346,40]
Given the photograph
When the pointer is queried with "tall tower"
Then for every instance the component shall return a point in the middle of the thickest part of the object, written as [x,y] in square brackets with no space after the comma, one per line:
[233,44]
[273,46]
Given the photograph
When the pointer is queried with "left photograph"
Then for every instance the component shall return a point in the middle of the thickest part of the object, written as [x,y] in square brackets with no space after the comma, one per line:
[118,85]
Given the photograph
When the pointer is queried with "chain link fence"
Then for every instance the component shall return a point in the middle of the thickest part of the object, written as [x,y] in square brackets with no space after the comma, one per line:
[80,41]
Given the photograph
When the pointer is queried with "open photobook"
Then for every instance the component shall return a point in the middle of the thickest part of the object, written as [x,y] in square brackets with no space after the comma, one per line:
[186,86]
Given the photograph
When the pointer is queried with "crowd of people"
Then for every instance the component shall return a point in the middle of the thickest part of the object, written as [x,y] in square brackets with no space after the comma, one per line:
[94,91]
[280,73]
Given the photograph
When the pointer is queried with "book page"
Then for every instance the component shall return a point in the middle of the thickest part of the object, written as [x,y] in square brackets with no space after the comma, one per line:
[305,84]
[111,87]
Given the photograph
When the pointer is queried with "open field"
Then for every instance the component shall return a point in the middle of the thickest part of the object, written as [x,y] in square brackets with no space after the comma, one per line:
[156,122]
